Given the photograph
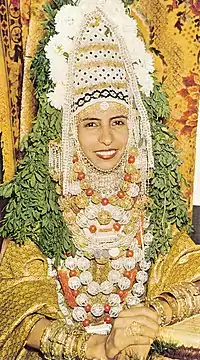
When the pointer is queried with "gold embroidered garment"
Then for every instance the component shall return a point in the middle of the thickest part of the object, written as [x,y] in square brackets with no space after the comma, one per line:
[28,294]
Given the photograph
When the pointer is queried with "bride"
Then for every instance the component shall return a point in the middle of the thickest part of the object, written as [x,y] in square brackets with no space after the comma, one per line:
[85,281]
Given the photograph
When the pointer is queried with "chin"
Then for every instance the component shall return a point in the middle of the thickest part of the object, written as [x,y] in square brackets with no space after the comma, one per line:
[106,165]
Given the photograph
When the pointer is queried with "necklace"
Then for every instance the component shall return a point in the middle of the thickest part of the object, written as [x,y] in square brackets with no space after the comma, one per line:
[110,232]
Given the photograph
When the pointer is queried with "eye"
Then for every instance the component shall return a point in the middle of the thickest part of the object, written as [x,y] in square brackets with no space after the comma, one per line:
[91,124]
[118,122]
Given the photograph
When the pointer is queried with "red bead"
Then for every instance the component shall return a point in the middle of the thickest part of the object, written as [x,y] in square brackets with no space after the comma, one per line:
[75,158]
[89,192]
[86,322]
[127,177]
[108,319]
[107,308]
[72,273]
[104,201]
[131,159]
[87,308]
[120,194]
[75,293]
[81,176]
[127,274]
[120,293]
[93,228]
[116,226]
[129,253]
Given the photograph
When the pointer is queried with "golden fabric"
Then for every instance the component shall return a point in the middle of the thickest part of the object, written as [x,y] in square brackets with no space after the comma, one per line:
[10,67]
[171,30]
[27,294]
[32,33]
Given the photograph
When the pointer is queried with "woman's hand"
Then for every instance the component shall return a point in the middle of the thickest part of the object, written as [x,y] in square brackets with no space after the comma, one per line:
[96,347]
[136,326]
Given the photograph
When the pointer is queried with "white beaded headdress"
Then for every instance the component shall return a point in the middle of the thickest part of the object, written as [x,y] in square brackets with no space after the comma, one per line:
[97,55]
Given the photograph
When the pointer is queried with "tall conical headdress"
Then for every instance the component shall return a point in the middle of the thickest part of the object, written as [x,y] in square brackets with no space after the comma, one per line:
[97,55]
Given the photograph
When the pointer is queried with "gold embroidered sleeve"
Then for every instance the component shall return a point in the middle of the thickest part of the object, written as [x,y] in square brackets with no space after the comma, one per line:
[27,294]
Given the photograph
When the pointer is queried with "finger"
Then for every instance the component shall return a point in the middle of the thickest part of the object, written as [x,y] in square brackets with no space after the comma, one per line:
[139,310]
[141,319]
[112,351]
[136,329]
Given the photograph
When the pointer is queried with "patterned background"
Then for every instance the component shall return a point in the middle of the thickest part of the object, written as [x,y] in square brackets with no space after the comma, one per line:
[171,29]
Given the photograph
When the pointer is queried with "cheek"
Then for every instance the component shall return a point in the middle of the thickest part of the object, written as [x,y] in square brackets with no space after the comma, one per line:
[122,137]
[87,140]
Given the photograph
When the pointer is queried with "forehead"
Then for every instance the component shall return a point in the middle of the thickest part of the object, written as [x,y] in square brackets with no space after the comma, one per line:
[103,109]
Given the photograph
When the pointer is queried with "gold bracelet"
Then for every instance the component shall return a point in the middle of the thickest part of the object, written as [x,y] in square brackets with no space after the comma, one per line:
[173,305]
[158,306]
[82,346]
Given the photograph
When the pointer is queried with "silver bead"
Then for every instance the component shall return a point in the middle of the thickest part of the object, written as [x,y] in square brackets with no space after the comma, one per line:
[132,300]
[106,287]
[138,289]
[129,263]
[79,314]
[97,310]
[74,283]
[114,276]
[114,299]
[86,278]
[70,263]
[115,310]
[93,288]
[117,264]
[82,300]
[83,263]
[145,265]
[142,276]
[124,283]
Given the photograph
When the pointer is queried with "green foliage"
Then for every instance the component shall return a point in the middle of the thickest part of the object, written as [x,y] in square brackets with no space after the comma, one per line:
[33,212]
[160,348]
[168,206]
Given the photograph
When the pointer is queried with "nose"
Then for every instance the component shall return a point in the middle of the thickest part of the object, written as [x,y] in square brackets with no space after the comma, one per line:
[105,136]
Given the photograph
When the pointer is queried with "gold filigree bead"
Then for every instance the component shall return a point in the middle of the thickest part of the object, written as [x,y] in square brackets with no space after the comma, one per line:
[136,177]
[96,198]
[77,168]
[133,151]
[84,185]
[58,189]
[129,228]
[69,217]
[104,217]
[131,169]
[125,186]
[126,203]
[113,200]
[82,201]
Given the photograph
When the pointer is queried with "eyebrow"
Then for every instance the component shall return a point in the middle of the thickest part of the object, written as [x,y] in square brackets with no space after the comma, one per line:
[112,118]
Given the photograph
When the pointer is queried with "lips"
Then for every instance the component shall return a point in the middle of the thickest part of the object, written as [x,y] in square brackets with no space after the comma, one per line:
[106,154]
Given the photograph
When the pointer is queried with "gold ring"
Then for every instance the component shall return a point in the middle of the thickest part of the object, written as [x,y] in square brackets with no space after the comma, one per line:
[134,329]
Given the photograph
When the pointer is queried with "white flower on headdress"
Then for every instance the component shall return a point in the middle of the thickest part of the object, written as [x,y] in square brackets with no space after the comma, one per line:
[144,79]
[68,19]
[56,97]
[147,62]
[128,28]
[114,8]
[136,48]
[58,45]
[87,5]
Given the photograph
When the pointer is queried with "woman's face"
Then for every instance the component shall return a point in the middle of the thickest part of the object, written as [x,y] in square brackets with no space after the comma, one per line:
[103,133]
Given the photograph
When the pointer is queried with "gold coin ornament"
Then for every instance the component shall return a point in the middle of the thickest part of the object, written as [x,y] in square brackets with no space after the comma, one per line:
[104,217]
